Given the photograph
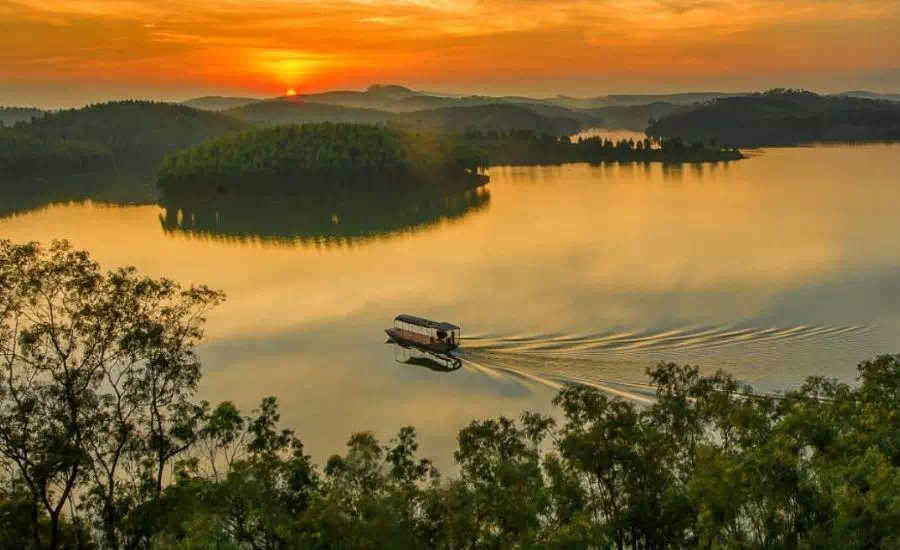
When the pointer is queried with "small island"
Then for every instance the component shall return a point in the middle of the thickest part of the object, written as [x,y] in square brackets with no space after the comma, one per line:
[524,147]
[322,158]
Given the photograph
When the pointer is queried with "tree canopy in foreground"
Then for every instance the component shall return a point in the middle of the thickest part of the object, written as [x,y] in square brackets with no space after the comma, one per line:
[102,446]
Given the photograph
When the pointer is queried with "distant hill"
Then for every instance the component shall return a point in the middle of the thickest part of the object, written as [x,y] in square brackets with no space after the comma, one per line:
[12,115]
[638,99]
[135,129]
[624,111]
[218,103]
[379,97]
[862,94]
[498,117]
[782,117]
[587,118]
[286,111]
[632,117]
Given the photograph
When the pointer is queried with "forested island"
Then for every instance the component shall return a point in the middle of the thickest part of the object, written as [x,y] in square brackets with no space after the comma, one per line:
[782,118]
[527,148]
[321,158]
[104,445]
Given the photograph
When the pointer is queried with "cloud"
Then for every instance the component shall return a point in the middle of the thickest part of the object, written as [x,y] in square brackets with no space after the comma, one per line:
[471,43]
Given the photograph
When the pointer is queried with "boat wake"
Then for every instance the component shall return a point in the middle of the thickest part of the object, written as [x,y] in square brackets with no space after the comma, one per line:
[615,362]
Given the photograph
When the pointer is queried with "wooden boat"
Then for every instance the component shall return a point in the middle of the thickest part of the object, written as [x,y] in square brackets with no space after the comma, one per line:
[416,332]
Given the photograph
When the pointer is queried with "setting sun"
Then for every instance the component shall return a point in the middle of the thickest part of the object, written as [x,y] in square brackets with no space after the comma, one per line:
[291,93]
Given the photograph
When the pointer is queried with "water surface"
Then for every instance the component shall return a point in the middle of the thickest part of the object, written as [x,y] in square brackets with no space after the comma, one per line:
[778,267]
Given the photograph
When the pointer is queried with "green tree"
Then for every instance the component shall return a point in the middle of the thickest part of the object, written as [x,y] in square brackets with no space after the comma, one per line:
[97,372]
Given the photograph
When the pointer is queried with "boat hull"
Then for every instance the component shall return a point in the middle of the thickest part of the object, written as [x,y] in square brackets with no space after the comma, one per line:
[402,338]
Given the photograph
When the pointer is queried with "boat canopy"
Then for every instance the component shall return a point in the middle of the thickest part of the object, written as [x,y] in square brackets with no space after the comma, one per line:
[425,323]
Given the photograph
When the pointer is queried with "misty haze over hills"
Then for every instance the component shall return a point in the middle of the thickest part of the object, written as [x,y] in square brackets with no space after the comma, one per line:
[392,103]
[103,135]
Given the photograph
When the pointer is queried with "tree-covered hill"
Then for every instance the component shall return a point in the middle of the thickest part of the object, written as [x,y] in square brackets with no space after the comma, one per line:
[782,117]
[22,154]
[496,117]
[317,158]
[290,111]
[135,129]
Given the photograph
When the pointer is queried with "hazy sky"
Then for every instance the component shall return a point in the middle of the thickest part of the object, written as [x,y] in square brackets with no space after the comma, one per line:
[68,52]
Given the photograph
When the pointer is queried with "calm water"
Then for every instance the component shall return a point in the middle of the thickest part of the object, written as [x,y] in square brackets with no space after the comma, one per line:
[776,268]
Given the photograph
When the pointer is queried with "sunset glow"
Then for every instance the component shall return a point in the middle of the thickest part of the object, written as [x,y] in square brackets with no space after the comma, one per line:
[262,47]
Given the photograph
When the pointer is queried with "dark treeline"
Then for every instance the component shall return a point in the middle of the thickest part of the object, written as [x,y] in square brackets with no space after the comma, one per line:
[526,147]
[103,446]
[320,158]
[782,117]
[22,154]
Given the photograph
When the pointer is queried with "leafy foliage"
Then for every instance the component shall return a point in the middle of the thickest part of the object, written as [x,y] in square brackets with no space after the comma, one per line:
[782,117]
[97,372]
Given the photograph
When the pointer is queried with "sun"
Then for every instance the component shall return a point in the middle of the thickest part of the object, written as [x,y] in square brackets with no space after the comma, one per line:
[292,92]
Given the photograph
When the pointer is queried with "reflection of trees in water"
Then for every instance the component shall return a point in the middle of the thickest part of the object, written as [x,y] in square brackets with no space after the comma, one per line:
[124,186]
[320,221]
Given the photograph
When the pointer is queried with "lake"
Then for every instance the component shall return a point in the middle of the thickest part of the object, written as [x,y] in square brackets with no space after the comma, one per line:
[775,268]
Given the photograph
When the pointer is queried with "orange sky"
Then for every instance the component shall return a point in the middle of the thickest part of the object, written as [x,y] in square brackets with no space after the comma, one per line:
[67,52]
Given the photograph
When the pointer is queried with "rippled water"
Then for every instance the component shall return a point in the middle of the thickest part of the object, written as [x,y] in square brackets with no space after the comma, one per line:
[775,268]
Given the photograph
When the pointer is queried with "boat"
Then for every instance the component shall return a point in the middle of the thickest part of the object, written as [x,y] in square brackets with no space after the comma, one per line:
[425,334]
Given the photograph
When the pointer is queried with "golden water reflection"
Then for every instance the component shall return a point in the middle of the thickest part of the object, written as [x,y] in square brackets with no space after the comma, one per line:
[777,267]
